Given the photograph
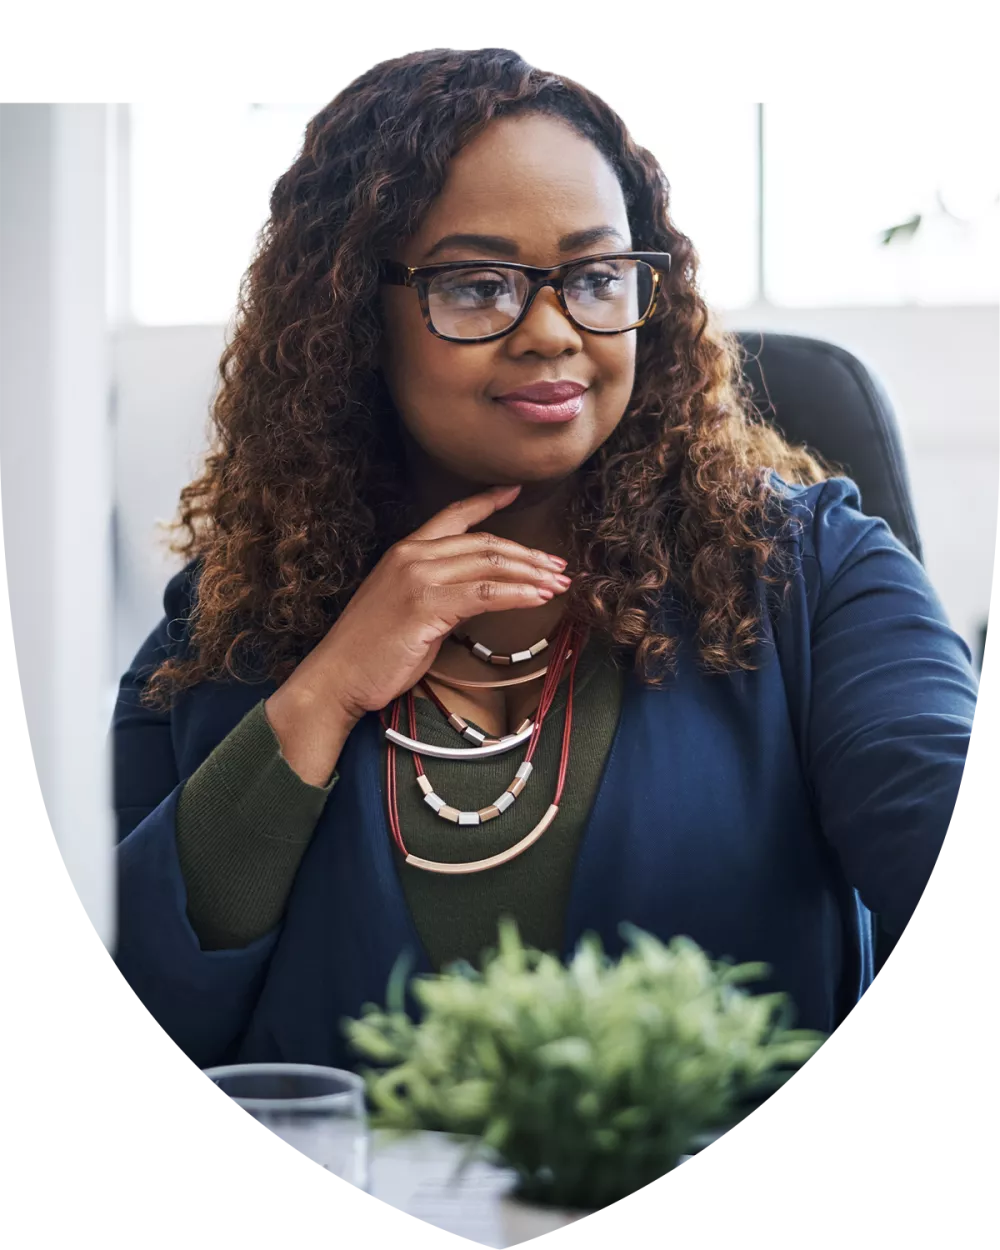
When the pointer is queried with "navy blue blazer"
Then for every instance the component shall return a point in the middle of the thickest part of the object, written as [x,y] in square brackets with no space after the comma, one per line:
[764,813]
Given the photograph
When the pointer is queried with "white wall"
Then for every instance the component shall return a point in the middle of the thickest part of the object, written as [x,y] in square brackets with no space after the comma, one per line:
[164,380]
[56,469]
[939,366]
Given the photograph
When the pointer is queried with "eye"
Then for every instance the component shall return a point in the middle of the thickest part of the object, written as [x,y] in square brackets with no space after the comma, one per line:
[603,281]
[481,287]
[606,281]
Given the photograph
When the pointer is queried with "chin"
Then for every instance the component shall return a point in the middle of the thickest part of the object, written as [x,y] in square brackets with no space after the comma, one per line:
[537,489]
[531,471]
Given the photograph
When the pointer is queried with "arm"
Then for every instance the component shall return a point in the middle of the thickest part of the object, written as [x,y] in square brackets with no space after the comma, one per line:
[244,821]
[891,703]
[202,998]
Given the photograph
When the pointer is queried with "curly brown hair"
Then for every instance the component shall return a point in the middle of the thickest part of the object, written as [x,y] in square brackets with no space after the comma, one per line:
[304,486]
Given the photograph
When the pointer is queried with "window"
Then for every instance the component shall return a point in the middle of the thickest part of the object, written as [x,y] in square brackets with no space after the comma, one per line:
[200,183]
[838,179]
[841,176]
[200,179]
[709,155]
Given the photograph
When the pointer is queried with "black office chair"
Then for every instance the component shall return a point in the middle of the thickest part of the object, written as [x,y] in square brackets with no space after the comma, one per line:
[819,394]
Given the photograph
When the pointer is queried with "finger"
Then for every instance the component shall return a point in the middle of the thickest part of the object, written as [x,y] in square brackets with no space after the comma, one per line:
[465,600]
[483,542]
[473,566]
[460,515]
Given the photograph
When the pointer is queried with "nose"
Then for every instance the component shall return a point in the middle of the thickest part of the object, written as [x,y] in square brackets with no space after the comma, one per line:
[545,329]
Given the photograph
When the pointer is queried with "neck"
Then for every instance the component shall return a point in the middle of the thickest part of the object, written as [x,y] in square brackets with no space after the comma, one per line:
[536,518]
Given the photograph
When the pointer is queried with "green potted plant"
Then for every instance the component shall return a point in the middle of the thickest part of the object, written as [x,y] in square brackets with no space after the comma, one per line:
[589,1079]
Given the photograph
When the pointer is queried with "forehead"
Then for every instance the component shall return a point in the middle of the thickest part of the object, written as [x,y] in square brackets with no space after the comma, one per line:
[531,179]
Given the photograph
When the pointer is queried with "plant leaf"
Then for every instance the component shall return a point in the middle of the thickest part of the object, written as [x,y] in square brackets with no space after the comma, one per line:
[496,1133]
[589,1079]
[368,1039]
[395,995]
[568,1052]
[746,972]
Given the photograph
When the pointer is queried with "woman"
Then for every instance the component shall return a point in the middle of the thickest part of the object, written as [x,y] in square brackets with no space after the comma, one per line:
[376,716]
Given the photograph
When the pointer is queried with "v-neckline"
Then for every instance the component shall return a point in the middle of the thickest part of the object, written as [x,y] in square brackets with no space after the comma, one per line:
[590,658]
[601,811]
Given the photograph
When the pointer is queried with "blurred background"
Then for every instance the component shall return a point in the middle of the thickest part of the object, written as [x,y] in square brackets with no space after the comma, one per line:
[125,229]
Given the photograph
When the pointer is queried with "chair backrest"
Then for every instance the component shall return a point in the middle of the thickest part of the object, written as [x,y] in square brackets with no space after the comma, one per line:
[819,394]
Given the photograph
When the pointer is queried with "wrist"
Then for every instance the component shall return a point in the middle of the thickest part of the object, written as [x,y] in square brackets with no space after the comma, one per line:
[311,731]
[308,706]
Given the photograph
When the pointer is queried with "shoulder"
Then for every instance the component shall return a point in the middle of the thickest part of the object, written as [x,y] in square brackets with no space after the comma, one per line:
[245,662]
[179,597]
[829,527]
[840,556]
[169,638]
[857,578]
[836,498]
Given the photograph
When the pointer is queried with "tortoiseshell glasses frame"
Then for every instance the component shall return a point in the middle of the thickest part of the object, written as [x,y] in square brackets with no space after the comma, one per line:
[420,277]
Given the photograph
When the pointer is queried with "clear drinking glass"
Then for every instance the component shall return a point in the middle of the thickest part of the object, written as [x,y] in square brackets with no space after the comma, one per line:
[320,1111]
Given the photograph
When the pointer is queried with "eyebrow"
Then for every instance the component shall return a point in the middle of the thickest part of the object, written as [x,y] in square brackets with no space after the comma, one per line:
[499,245]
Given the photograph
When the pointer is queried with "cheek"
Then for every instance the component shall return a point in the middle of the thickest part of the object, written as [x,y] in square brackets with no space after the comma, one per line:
[431,382]
[411,359]
[615,361]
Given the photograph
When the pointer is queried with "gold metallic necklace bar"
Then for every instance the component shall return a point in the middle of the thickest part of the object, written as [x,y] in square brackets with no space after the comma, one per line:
[487,685]
[494,861]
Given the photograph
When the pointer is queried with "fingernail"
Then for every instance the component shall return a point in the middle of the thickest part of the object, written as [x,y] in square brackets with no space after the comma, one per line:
[562,580]
[558,562]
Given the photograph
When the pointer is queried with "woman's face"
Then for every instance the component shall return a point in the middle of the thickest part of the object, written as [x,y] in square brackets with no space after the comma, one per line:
[533,191]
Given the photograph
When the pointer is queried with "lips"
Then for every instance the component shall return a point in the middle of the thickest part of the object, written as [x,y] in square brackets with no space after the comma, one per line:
[545,392]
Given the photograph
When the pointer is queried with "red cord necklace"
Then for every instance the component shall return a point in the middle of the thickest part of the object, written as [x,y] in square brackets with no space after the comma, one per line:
[568,639]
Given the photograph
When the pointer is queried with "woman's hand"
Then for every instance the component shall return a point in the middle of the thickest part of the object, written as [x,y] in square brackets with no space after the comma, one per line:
[392,629]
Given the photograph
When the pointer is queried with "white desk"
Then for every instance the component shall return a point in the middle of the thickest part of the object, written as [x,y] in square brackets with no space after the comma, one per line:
[417,1175]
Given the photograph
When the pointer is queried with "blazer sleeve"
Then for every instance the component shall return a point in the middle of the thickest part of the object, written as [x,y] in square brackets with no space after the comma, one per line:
[890,704]
[202,999]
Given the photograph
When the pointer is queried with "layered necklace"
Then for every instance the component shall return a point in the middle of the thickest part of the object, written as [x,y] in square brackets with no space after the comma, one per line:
[567,644]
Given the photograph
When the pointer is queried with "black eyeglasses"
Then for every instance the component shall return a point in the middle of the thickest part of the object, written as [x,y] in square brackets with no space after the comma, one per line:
[474,301]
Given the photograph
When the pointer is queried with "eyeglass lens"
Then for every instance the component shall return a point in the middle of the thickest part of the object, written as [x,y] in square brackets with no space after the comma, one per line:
[600,295]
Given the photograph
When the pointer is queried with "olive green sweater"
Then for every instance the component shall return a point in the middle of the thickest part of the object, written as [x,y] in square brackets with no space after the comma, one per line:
[245,819]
